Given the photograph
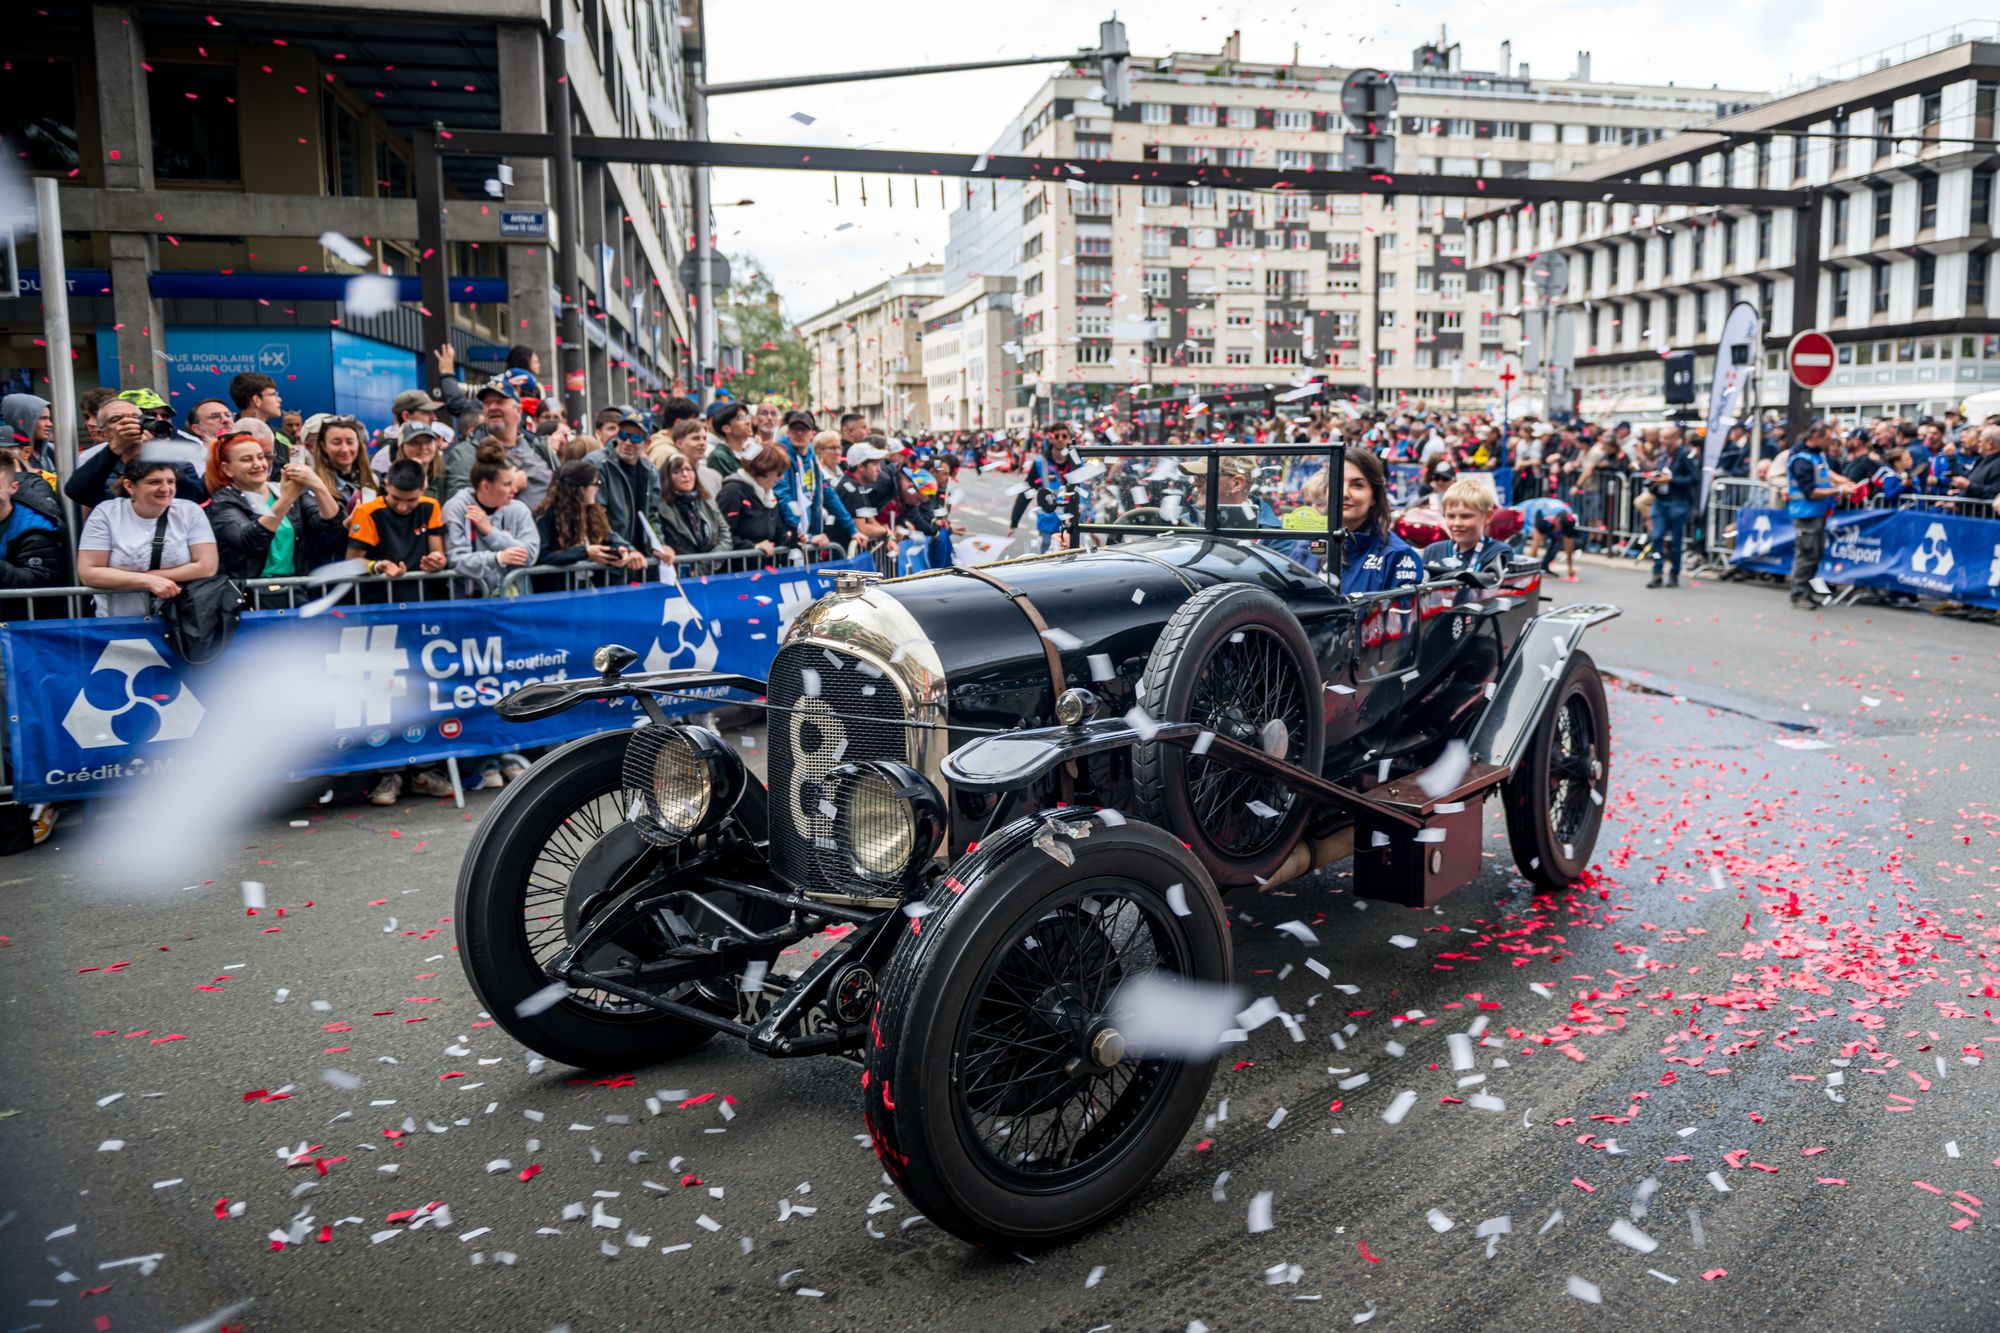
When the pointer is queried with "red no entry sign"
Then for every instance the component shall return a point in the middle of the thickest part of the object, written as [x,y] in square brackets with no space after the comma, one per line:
[1810,358]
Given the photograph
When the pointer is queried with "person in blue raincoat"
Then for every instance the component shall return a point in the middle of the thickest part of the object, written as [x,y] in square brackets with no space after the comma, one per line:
[1374,558]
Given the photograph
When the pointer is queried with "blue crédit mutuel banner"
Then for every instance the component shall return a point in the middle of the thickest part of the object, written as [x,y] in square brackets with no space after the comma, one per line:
[1918,551]
[96,704]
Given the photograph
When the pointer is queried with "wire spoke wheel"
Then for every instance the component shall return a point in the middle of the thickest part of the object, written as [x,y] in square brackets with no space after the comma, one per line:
[556,850]
[1236,662]
[1555,800]
[1000,1094]
[1042,1111]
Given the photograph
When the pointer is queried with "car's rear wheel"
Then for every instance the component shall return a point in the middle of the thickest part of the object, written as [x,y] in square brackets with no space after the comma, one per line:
[1555,800]
[1233,659]
[999,1093]
[556,849]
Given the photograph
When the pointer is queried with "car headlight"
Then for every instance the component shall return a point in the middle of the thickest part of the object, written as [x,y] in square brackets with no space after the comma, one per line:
[889,819]
[685,780]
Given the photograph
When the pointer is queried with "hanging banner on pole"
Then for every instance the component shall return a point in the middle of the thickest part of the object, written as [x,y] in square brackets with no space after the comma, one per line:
[1735,363]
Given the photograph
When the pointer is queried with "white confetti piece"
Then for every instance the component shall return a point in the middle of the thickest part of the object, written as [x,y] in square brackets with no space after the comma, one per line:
[1260,1213]
[112,1145]
[1096,1276]
[253,895]
[1439,1222]
[752,979]
[1299,931]
[1654,1272]
[344,249]
[707,1223]
[1101,668]
[546,998]
[1399,1107]
[1142,722]
[1460,1046]
[341,1079]
[1164,1015]
[1367,1314]
[370,294]
[1447,772]
[1177,899]
[1062,639]
[1632,1238]
[1584,1291]
[1277,1118]
[1402,941]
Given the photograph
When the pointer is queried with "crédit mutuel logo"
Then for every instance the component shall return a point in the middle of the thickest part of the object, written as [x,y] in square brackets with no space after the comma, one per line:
[131,696]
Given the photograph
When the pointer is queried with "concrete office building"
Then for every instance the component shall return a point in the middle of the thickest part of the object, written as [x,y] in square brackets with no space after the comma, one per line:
[867,351]
[1903,145]
[965,338]
[1207,289]
[204,151]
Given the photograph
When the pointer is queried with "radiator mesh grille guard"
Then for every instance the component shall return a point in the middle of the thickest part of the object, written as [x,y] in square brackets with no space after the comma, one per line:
[829,708]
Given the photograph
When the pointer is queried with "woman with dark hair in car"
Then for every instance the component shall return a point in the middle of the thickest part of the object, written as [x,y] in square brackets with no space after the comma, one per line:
[1375,558]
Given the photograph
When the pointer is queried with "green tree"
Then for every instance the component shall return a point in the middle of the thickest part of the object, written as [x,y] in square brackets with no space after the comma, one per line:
[775,358]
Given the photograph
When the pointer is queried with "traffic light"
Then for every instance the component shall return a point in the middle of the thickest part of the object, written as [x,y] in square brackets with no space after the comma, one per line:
[1368,101]
[1113,62]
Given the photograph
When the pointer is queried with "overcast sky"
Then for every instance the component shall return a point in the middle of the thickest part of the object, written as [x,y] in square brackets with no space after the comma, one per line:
[791,227]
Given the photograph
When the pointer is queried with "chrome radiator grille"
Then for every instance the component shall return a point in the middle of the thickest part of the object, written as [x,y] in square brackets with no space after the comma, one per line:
[828,708]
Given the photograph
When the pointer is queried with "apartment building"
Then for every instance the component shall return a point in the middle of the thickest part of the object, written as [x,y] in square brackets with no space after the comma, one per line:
[1162,290]
[867,351]
[1902,152]
[203,152]
[966,335]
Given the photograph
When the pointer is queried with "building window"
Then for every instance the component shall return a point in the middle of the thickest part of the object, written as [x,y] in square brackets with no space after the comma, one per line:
[1238,356]
[38,118]
[1975,280]
[1283,356]
[1884,206]
[1201,196]
[1093,322]
[1242,118]
[1451,286]
[1291,120]
[1386,358]
[1843,292]
[1982,198]
[1274,240]
[1157,196]
[1155,113]
[1343,249]
[1386,319]
[1093,279]
[1032,287]
[1927,201]
[1879,301]
[1201,238]
[1201,115]
[1239,157]
[1201,356]
[1159,282]
[1093,150]
[1201,281]
[1932,112]
[1238,319]
[1032,246]
[1284,284]
[194,128]
[1764,234]
[1244,238]
[1291,208]
[1033,208]
[1094,354]
[1158,242]
[1451,321]
[1385,281]
[1091,200]
[1424,359]
[1093,247]
[1926,280]
[1424,280]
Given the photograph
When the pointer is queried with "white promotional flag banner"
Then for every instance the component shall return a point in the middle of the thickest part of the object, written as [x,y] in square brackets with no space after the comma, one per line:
[1735,362]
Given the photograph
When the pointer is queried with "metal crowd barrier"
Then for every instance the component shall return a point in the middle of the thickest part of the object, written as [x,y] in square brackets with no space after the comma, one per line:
[1727,497]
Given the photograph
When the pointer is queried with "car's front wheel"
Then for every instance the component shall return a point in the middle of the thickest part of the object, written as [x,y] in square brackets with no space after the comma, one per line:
[999,1092]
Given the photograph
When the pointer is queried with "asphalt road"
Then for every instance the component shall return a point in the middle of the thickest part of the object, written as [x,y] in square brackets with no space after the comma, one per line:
[1759,1038]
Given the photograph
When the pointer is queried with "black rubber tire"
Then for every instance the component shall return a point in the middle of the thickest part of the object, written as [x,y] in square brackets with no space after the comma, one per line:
[1528,797]
[939,968]
[492,939]
[1161,772]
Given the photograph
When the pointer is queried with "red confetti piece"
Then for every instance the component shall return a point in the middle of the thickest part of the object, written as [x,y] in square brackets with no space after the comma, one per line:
[1362,1246]
[531,1172]
[1580,1184]
[1714,1273]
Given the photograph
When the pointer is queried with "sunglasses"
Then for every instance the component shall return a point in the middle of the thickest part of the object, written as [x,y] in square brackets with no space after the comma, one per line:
[630,438]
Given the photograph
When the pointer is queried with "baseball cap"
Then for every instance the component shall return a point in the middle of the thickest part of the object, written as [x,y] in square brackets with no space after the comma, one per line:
[313,424]
[499,386]
[437,430]
[144,399]
[864,452]
[801,421]
[1231,465]
[415,400]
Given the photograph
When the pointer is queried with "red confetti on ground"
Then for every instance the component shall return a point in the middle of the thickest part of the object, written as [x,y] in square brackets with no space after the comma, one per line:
[531,1172]
[1362,1246]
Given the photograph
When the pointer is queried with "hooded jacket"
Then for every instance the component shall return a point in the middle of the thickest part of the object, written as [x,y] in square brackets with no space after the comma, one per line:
[34,547]
[679,533]
[20,411]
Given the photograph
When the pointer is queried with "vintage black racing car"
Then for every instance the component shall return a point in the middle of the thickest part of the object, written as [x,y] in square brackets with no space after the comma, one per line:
[1010,791]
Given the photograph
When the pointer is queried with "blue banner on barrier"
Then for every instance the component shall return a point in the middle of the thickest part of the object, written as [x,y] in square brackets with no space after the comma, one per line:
[419,677]
[1919,551]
